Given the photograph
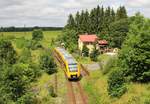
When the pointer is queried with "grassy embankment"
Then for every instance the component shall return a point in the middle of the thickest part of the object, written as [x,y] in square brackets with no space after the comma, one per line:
[96,88]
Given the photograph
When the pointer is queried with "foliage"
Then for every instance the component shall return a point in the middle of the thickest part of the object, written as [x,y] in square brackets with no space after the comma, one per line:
[94,54]
[121,13]
[116,83]
[7,53]
[47,63]
[135,53]
[69,38]
[16,81]
[25,56]
[28,98]
[33,44]
[95,21]
[71,22]
[37,35]
[118,32]
[85,51]
[107,62]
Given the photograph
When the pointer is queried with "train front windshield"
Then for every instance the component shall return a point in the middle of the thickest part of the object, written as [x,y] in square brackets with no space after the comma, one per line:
[73,67]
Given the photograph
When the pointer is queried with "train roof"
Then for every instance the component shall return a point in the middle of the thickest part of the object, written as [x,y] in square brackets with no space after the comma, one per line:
[68,57]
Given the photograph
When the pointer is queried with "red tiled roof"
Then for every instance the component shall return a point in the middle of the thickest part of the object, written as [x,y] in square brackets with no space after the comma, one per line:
[102,42]
[88,38]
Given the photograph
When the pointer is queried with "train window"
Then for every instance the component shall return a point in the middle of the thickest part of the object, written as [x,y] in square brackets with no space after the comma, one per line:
[73,67]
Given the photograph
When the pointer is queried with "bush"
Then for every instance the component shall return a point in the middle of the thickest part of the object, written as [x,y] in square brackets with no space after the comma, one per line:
[85,51]
[25,56]
[94,54]
[7,53]
[37,35]
[70,39]
[116,83]
[32,44]
[47,63]
[28,98]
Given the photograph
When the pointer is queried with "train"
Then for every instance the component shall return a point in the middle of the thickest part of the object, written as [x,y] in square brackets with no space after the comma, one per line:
[72,67]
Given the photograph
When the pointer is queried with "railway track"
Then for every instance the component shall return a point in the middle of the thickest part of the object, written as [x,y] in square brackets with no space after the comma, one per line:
[76,94]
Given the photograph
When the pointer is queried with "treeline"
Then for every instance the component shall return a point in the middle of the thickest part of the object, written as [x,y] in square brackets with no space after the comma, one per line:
[97,20]
[105,22]
[26,29]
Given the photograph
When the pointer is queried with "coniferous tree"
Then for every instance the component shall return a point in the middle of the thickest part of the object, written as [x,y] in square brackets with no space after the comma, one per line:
[70,22]
[112,15]
[93,26]
[86,22]
[121,13]
[77,22]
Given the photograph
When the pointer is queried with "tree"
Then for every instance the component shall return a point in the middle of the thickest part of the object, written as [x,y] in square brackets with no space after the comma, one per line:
[85,51]
[71,22]
[93,26]
[121,13]
[118,32]
[77,22]
[85,22]
[116,83]
[37,35]
[94,54]
[47,63]
[16,80]
[135,54]
[70,39]
[7,53]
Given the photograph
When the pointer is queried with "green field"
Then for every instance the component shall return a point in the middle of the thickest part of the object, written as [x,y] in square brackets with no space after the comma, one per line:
[48,35]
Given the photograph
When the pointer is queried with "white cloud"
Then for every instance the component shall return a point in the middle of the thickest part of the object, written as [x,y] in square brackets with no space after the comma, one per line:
[55,12]
[138,3]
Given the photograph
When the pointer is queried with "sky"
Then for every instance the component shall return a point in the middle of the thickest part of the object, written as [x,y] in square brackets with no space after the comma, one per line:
[55,12]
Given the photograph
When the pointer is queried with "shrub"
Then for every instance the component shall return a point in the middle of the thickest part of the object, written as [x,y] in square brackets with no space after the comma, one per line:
[85,51]
[28,98]
[37,35]
[32,44]
[116,83]
[70,39]
[7,53]
[94,54]
[47,63]
[25,56]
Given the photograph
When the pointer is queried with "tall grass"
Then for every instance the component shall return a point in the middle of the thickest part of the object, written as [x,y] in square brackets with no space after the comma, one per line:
[107,62]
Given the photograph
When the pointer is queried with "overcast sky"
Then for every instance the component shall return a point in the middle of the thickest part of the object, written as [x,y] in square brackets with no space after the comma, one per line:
[55,12]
